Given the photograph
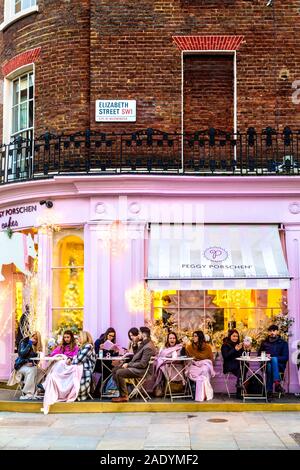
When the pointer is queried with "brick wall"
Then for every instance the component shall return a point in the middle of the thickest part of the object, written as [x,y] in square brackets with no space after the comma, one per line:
[133,56]
[208,92]
[94,49]
[61,29]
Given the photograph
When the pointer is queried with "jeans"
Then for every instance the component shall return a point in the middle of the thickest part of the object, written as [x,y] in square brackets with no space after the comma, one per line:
[272,373]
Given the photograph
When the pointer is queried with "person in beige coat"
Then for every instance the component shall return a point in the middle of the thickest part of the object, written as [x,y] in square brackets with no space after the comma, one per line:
[136,367]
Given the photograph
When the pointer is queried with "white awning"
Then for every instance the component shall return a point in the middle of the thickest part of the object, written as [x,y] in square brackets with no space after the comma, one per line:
[199,257]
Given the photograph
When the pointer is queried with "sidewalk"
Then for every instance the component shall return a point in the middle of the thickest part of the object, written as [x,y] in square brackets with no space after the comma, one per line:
[158,431]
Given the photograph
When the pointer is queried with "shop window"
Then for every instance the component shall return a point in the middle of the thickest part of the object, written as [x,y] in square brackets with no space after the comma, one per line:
[15,9]
[68,281]
[217,310]
[25,288]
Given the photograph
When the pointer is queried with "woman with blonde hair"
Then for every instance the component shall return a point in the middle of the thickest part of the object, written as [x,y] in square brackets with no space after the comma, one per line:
[25,368]
[87,357]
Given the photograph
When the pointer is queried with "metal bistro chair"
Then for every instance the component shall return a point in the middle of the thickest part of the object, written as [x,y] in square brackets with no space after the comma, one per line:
[226,380]
[284,379]
[138,384]
[20,384]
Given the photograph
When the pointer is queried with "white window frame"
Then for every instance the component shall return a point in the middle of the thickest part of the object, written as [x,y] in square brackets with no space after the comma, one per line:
[28,128]
[10,16]
[8,100]
[7,108]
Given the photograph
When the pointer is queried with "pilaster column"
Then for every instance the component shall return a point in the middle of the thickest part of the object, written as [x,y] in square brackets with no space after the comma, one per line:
[293,257]
[44,305]
[97,278]
[127,283]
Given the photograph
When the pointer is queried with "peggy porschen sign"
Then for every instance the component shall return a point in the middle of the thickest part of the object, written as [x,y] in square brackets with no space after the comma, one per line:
[19,216]
[115,110]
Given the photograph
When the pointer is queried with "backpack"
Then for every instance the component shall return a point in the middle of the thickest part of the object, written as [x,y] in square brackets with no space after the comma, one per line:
[254,387]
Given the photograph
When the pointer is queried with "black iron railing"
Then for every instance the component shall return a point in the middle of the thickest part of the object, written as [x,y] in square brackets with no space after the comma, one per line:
[210,152]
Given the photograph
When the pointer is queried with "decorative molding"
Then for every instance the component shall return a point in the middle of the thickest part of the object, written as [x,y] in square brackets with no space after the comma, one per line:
[159,185]
[294,208]
[100,208]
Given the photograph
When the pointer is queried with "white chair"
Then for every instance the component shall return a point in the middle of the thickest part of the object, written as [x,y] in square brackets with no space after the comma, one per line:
[138,384]
[226,380]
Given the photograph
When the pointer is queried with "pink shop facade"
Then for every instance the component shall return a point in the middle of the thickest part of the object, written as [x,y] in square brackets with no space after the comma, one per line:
[104,251]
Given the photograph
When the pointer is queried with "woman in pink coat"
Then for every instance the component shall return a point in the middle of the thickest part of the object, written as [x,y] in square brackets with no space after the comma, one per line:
[68,347]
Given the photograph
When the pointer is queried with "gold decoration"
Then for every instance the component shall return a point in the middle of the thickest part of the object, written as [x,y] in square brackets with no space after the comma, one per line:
[139,298]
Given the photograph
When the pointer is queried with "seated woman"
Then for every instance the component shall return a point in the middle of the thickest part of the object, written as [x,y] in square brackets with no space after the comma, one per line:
[134,340]
[25,369]
[161,368]
[201,370]
[68,347]
[231,349]
[109,335]
[71,378]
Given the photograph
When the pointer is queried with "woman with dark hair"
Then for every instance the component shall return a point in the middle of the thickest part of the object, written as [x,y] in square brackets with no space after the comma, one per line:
[172,340]
[201,370]
[109,335]
[134,340]
[231,349]
[68,347]
[162,368]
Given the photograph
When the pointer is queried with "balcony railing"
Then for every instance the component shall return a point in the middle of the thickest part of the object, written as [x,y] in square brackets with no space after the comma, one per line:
[210,152]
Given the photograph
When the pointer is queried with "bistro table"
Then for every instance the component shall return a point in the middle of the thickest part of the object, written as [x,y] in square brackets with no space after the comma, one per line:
[104,367]
[174,370]
[43,371]
[260,367]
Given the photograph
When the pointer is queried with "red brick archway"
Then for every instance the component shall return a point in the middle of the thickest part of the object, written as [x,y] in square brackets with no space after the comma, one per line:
[20,60]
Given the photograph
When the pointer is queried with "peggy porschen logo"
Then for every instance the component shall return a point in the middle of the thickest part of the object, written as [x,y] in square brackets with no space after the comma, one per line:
[215,253]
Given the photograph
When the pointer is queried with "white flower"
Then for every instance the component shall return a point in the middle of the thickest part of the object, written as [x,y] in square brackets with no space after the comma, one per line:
[51,342]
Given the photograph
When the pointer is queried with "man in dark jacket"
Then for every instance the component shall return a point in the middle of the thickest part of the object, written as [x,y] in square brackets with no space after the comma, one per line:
[136,367]
[278,350]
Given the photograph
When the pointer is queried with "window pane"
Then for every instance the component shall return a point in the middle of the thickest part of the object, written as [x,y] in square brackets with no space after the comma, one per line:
[15,126]
[17,6]
[67,319]
[30,117]
[23,86]
[23,116]
[68,287]
[15,92]
[26,4]
[68,279]
[31,83]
